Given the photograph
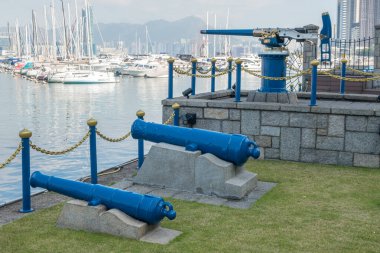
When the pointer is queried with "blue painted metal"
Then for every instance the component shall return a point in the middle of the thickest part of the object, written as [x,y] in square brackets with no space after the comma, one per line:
[140,144]
[234,148]
[314,76]
[213,70]
[26,201]
[193,77]
[93,156]
[176,117]
[273,65]
[343,74]
[229,74]
[232,32]
[326,34]
[170,90]
[147,208]
[238,81]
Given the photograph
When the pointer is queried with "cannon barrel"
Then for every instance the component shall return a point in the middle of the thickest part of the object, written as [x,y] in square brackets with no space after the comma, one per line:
[147,208]
[235,148]
[233,32]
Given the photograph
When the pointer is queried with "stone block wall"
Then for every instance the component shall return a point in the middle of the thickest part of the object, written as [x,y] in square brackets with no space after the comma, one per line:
[325,135]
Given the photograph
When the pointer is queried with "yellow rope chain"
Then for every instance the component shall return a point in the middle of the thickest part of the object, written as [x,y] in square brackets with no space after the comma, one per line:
[169,120]
[362,72]
[350,79]
[181,72]
[12,157]
[104,137]
[47,152]
[301,73]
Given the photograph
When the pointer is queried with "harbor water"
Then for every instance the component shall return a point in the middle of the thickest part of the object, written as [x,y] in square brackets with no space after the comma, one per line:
[57,115]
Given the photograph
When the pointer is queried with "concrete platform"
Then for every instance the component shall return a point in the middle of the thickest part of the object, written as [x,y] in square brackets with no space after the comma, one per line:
[77,215]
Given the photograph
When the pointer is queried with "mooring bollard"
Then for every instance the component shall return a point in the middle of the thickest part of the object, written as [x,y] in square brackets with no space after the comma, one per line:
[140,115]
[314,79]
[26,202]
[230,60]
[176,107]
[238,79]
[343,74]
[93,159]
[193,75]
[213,70]
[170,80]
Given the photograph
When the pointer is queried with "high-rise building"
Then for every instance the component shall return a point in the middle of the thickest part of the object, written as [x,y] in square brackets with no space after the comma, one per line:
[347,17]
[369,17]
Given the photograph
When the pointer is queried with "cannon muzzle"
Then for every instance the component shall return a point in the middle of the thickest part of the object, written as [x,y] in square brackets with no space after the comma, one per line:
[234,148]
[147,208]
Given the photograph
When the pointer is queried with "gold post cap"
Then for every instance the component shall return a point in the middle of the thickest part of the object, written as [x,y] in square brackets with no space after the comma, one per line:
[92,122]
[213,60]
[194,60]
[176,106]
[25,133]
[238,61]
[344,60]
[314,63]
[171,60]
[230,59]
[140,113]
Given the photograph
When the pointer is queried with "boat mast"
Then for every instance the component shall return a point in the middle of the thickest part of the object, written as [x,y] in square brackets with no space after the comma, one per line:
[18,39]
[46,34]
[70,36]
[207,46]
[77,51]
[226,45]
[87,29]
[64,31]
[34,35]
[215,36]
[54,49]
[26,41]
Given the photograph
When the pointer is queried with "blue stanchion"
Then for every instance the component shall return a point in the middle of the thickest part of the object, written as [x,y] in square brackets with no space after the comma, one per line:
[230,60]
[213,70]
[343,74]
[26,199]
[193,73]
[176,107]
[170,81]
[314,80]
[238,80]
[140,115]
[93,158]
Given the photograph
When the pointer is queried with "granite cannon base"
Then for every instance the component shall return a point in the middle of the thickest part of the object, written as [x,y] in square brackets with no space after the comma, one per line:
[171,166]
[77,215]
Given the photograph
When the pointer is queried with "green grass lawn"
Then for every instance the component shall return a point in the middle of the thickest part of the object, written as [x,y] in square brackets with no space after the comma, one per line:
[314,208]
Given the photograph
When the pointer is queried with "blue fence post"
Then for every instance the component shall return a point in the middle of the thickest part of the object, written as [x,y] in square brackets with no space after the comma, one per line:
[230,60]
[238,80]
[93,159]
[140,115]
[314,82]
[26,202]
[193,73]
[213,71]
[170,80]
[343,74]
[176,107]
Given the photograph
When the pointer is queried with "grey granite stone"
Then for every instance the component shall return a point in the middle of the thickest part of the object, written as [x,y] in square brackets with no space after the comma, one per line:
[209,124]
[271,131]
[359,142]
[322,132]
[271,98]
[250,122]
[326,156]
[373,125]
[283,98]
[330,143]
[275,142]
[366,160]
[290,143]
[198,111]
[234,114]
[260,97]
[345,158]
[322,121]
[211,200]
[356,123]
[308,138]
[292,98]
[336,126]
[295,108]
[275,119]
[251,96]
[163,192]
[303,120]
[215,113]
[232,127]
[263,141]
[272,153]
[187,196]
[320,109]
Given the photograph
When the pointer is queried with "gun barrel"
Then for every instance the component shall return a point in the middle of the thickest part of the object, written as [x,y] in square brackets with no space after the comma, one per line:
[233,32]
[147,208]
[233,148]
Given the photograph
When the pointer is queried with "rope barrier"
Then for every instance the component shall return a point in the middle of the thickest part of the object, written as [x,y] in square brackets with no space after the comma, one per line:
[181,72]
[11,157]
[301,73]
[362,72]
[62,152]
[109,139]
[350,79]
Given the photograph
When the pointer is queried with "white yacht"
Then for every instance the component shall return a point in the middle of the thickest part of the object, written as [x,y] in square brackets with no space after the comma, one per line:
[90,77]
[147,69]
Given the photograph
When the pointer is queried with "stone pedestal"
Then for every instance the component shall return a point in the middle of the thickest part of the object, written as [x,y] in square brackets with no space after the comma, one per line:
[77,215]
[269,97]
[172,166]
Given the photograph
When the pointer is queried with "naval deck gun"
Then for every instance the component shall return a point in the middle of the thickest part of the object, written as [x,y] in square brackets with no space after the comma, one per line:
[275,40]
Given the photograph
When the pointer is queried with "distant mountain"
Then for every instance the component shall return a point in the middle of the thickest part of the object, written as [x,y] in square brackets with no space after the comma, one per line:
[160,31]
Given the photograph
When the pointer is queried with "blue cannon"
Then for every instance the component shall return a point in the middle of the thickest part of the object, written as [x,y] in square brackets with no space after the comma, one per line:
[147,208]
[234,148]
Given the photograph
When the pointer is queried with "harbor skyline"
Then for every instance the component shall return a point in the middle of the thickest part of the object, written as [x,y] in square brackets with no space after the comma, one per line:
[243,13]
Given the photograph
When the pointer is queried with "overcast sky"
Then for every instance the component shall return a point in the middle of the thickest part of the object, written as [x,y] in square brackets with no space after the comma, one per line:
[243,13]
